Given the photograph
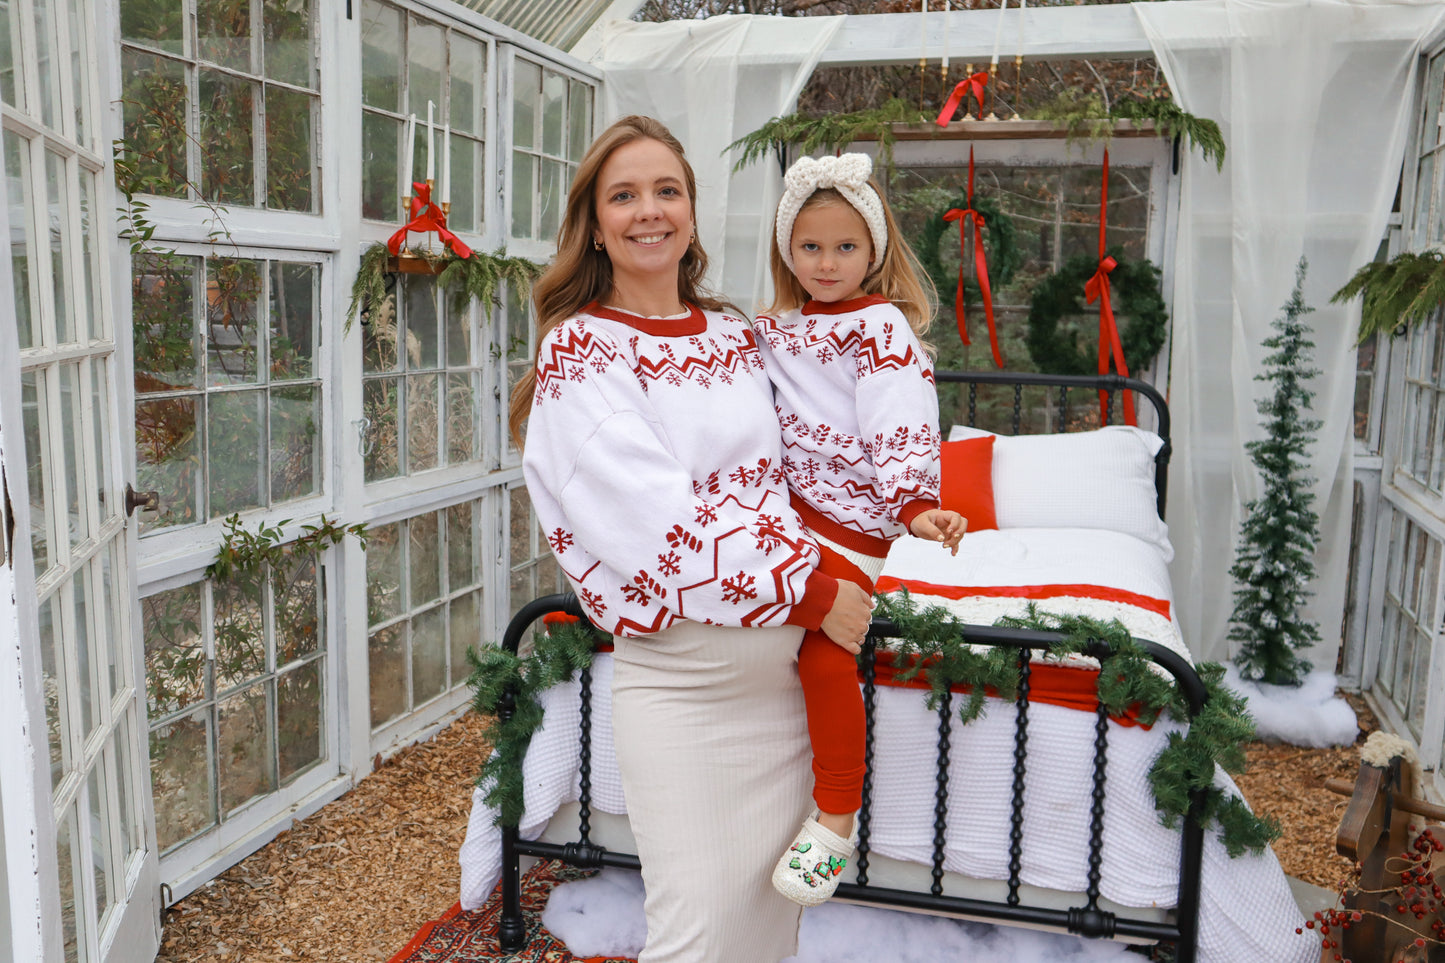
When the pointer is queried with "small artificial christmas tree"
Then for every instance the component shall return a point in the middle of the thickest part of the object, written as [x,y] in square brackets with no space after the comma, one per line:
[1274,563]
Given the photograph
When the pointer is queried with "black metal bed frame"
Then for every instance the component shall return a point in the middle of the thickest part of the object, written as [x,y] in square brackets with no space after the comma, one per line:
[1087,920]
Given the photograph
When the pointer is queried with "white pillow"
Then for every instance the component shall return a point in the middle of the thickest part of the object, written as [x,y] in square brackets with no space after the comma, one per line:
[1083,479]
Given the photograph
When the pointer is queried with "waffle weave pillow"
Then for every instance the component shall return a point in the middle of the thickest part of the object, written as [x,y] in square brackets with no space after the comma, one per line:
[1085,479]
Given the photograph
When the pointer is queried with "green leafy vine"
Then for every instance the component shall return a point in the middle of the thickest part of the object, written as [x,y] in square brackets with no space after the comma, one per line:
[1085,116]
[245,552]
[477,278]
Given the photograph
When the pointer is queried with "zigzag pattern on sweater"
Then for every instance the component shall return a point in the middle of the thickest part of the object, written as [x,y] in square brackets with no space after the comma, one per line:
[869,357]
[566,354]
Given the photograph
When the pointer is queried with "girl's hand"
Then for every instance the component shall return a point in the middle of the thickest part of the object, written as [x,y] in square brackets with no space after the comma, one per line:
[847,621]
[940,525]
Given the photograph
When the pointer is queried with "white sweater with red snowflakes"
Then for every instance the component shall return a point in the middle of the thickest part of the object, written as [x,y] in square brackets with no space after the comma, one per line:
[855,397]
[654,465]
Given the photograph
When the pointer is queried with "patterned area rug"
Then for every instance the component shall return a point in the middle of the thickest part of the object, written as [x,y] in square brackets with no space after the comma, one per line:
[472,937]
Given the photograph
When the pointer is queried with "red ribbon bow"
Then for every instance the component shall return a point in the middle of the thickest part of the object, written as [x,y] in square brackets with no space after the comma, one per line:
[972,83]
[425,217]
[1097,289]
[980,266]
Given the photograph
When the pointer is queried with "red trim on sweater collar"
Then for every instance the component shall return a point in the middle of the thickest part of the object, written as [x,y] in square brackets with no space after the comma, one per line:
[694,323]
[843,307]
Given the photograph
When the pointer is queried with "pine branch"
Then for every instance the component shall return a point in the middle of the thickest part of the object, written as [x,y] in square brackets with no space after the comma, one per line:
[1405,290]
[830,132]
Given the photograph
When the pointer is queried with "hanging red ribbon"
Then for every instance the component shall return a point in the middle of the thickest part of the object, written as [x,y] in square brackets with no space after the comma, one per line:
[425,217]
[973,83]
[1097,289]
[980,266]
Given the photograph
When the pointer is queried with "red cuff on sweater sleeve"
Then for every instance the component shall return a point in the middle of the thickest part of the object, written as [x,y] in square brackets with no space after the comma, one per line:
[913,509]
[818,597]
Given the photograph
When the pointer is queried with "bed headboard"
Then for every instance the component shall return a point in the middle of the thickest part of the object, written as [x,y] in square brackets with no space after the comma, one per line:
[1107,386]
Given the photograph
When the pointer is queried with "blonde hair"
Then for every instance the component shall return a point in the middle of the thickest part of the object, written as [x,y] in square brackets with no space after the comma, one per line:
[900,278]
[581,274]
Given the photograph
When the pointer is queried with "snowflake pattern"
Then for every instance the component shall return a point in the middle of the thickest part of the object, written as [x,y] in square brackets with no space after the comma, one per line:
[705,514]
[560,540]
[669,564]
[738,588]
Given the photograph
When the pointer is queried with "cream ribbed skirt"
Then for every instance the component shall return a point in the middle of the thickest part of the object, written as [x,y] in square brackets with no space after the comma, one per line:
[712,744]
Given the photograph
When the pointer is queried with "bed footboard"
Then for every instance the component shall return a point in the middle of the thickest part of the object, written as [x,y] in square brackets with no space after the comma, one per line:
[1088,919]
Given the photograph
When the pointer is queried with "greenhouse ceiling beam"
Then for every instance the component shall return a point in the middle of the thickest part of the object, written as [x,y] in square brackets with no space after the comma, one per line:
[1055,33]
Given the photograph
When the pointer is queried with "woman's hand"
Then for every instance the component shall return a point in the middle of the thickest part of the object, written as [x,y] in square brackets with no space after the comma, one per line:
[847,621]
[940,525]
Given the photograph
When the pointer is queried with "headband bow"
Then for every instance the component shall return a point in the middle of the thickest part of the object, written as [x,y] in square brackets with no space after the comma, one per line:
[848,175]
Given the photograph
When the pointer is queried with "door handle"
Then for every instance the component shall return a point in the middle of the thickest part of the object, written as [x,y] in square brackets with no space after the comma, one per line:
[145,501]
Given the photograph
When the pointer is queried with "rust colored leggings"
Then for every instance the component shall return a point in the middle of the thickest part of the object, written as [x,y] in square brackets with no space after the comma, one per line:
[829,675]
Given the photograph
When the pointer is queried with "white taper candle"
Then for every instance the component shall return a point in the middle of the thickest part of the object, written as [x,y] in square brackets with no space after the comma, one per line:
[409,138]
[447,164]
[998,34]
[431,160]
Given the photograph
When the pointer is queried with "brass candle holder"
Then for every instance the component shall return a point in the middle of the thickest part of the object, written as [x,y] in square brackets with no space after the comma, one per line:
[992,95]
[1018,86]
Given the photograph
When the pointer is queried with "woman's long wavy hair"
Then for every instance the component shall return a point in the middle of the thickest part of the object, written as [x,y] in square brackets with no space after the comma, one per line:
[581,274]
[900,278]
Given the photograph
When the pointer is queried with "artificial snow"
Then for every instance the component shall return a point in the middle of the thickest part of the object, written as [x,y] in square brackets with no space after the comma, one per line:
[602,916]
[1310,715]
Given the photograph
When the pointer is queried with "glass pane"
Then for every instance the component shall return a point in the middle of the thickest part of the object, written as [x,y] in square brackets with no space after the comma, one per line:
[167,457]
[175,650]
[293,318]
[381,40]
[92,692]
[244,746]
[461,549]
[461,409]
[33,402]
[469,79]
[295,442]
[153,98]
[387,668]
[383,573]
[526,92]
[155,23]
[1419,690]
[422,409]
[227,110]
[380,150]
[98,789]
[426,559]
[521,526]
[422,324]
[522,589]
[127,825]
[428,655]
[286,33]
[72,436]
[22,237]
[554,112]
[89,322]
[163,326]
[1430,136]
[553,199]
[48,61]
[549,576]
[299,719]
[100,429]
[466,629]
[233,293]
[110,643]
[79,74]
[465,172]
[289,162]
[181,782]
[240,630]
[298,608]
[52,672]
[457,328]
[379,403]
[223,33]
[579,120]
[235,458]
[524,175]
[9,46]
[67,855]
[1424,193]
[426,59]
[57,189]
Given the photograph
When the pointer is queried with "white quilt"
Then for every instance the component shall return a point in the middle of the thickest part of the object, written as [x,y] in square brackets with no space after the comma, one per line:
[1247,913]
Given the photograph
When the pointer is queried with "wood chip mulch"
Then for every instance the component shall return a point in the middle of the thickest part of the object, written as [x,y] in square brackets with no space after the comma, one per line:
[353,883]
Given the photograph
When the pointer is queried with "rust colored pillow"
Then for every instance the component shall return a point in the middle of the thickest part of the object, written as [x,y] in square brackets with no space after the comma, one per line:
[966,484]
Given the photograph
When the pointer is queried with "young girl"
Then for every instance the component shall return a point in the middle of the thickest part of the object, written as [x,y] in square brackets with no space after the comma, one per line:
[855,398]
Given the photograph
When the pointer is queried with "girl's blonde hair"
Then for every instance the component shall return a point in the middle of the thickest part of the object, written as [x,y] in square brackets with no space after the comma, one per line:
[581,274]
[900,278]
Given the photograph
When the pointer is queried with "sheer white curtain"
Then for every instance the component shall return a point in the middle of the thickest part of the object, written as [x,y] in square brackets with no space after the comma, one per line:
[1314,99]
[712,81]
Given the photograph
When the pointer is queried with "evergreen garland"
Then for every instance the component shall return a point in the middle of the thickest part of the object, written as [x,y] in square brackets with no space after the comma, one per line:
[475,278]
[1004,257]
[1085,116]
[1137,302]
[1407,289]
[1275,559]
[565,648]
[830,132]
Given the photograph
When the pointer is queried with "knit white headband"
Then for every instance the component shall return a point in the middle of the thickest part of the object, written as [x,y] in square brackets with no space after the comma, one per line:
[847,174]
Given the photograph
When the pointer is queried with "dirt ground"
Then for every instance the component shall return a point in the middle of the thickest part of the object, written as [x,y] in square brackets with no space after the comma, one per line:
[354,881]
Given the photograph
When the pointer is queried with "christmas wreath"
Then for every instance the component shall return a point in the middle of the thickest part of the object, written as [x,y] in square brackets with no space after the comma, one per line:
[1138,305]
[1002,246]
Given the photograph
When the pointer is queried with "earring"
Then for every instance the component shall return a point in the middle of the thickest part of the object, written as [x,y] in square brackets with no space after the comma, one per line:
[693,236]
[596,244]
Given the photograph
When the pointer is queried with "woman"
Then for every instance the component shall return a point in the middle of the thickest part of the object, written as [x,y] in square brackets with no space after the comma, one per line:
[653,459]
